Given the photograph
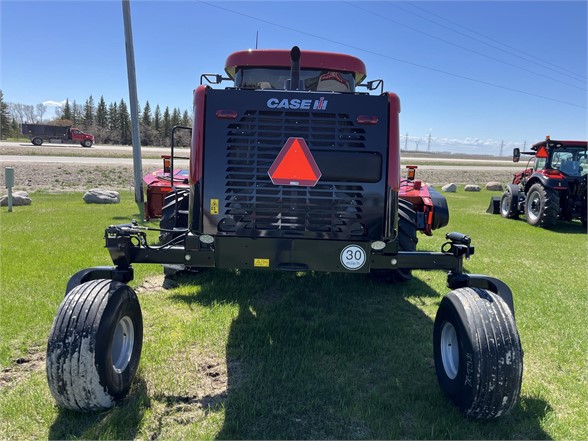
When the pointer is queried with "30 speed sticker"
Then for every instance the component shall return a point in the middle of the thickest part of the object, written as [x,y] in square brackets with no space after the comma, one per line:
[353,257]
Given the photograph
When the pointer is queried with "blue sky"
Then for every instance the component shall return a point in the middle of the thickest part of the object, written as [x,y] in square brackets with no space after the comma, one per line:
[472,74]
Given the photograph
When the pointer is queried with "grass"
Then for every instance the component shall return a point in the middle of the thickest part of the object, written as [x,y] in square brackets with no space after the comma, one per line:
[231,354]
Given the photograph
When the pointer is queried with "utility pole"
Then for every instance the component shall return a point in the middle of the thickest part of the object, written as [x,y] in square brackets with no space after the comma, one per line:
[501,147]
[429,142]
[406,141]
[134,104]
[417,142]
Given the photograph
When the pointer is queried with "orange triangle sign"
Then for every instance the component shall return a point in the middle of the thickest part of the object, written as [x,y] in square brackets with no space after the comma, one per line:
[542,152]
[295,165]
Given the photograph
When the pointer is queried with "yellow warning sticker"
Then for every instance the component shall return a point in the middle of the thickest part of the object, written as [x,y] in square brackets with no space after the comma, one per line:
[214,206]
[263,263]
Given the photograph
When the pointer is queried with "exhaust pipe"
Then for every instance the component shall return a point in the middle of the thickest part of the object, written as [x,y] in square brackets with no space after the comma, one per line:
[294,69]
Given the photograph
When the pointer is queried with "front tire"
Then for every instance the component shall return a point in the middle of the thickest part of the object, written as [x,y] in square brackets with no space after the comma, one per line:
[94,346]
[541,206]
[87,143]
[477,352]
[508,205]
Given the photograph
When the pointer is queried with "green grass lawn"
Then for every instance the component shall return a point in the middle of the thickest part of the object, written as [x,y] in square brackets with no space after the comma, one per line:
[281,355]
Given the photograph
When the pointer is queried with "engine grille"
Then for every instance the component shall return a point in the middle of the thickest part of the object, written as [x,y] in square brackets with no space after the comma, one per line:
[255,204]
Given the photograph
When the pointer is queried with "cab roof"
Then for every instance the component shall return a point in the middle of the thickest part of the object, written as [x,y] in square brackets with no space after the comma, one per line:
[555,143]
[308,60]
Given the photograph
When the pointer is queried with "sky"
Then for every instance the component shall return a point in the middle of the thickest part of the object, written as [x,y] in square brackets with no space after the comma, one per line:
[479,77]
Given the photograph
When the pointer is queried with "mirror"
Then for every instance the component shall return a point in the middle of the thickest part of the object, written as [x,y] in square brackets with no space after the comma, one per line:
[516,154]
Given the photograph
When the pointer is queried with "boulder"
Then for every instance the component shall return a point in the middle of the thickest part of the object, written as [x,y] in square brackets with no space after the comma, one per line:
[494,186]
[19,198]
[472,187]
[449,188]
[99,196]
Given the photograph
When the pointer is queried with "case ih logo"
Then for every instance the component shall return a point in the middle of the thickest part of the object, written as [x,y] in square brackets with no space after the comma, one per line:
[275,103]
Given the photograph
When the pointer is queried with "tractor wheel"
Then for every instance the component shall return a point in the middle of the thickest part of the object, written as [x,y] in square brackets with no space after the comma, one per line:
[37,141]
[95,345]
[508,205]
[478,354]
[541,206]
[407,237]
[174,214]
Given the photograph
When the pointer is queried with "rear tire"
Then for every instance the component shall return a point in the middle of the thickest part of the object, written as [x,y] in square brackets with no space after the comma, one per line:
[87,143]
[37,141]
[407,241]
[541,206]
[174,214]
[94,346]
[477,352]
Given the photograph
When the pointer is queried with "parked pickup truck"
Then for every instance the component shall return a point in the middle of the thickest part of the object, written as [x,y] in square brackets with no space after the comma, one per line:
[38,133]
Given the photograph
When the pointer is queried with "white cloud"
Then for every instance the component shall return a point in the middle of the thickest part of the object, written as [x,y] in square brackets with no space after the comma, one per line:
[54,103]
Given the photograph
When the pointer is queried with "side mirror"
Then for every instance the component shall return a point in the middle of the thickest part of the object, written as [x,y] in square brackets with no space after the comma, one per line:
[516,154]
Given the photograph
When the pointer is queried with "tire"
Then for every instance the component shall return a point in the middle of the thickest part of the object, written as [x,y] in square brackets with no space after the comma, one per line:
[407,241]
[508,206]
[94,346]
[87,143]
[477,352]
[37,141]
[174,214]
[541,206]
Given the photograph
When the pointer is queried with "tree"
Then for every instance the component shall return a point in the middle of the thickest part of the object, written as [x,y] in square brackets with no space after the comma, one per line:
[157,119]
[186,120]
[5,126]
[146,120]
[102,114]
[41,109]
[166,123]
[125,123]
[88,118]
[113,121]
[30,114]
[76,113]
[176,117]
[17,112]
[66,113]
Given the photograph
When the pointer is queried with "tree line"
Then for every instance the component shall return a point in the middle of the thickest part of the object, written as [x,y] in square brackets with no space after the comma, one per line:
[109,123]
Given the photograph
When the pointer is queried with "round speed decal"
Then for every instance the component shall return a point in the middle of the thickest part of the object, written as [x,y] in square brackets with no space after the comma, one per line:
[353,257]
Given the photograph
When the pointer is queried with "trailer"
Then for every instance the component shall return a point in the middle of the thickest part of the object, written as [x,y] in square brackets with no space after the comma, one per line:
[39,133]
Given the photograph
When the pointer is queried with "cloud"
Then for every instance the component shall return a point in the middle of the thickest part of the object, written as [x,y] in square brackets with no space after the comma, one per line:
[54,103]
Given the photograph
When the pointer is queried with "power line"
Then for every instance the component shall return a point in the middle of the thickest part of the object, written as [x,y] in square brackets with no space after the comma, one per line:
[535,60]
[410,63]
[464,48]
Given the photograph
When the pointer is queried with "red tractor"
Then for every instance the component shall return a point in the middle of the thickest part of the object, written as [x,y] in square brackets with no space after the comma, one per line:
[552,186]
[292,168]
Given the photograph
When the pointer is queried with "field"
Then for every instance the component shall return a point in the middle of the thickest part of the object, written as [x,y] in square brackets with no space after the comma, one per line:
[255,355]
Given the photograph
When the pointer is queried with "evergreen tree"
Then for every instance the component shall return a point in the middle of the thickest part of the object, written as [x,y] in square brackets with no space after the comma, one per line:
[66,113]
[176,117]
[113,120]
[102,114]
[15,128]
[5,126]
[125,123]
[157,119]
[89,112]
[76,113]
[146,120]
[186,120]
[167,123]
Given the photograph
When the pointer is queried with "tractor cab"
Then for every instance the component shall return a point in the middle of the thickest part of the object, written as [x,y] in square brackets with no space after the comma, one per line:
[271,69]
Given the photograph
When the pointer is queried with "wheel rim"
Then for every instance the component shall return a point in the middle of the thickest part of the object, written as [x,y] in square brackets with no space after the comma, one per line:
[449,350]
[122,344]
[505,205]
[534,206]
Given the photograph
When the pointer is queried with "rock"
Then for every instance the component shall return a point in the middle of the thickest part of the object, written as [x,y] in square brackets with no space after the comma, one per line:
[449,188]
[494,186]
[99,196]
[19,198]
[472,187]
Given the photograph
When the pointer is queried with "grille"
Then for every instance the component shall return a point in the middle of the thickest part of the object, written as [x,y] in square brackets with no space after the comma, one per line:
[255,204]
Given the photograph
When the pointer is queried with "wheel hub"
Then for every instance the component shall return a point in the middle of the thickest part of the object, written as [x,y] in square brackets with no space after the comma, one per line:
[122,344]
[449,350]
[534,205]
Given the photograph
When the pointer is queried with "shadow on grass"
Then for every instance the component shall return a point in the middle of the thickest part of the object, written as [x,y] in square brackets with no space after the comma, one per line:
[121,422]
[320,356]
[574,227]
